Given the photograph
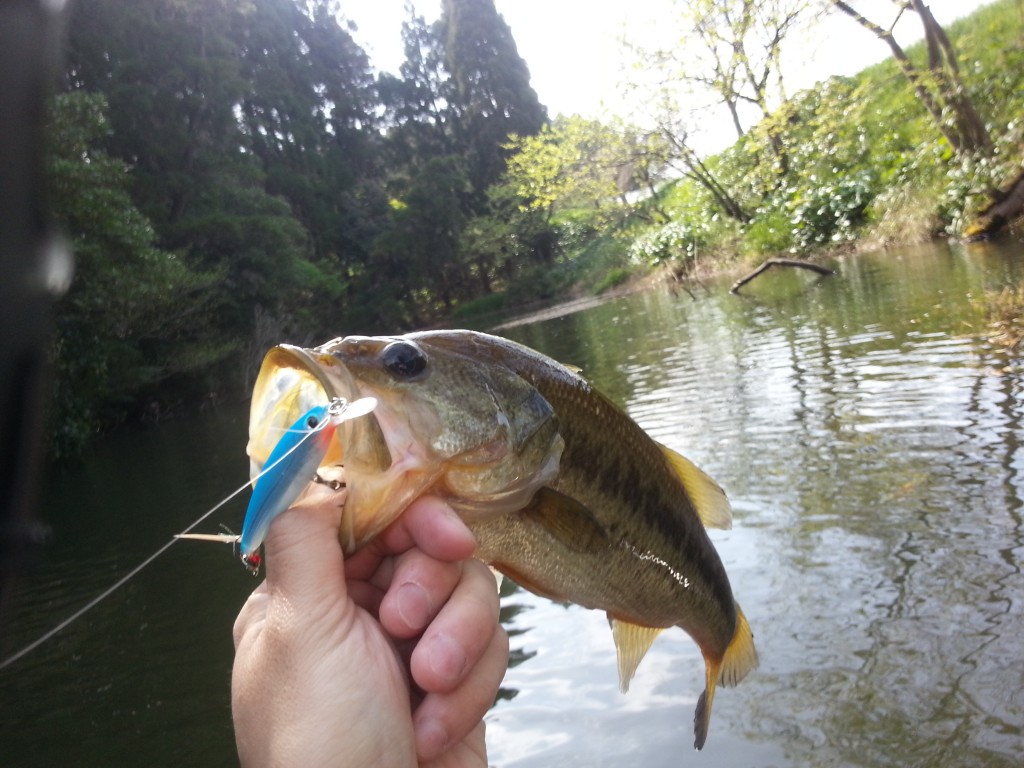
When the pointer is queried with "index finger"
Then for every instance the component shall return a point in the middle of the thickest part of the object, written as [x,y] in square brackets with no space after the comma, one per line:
[430,525]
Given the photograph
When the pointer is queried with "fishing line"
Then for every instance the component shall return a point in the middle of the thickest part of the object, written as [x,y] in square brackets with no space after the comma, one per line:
[132,573]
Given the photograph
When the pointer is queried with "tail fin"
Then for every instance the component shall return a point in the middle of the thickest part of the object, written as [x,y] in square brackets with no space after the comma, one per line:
[740,657]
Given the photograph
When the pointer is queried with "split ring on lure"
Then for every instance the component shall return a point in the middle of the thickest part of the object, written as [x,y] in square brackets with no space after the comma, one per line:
[290,467]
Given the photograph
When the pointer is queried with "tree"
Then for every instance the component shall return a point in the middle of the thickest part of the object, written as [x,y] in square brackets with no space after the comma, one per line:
[492,97]
[569,164]
[135,315]
[580,163]
[418,107]
[416,261]
[681,154]
[938,86]
[307,113]
[741,43]
[728,50]
[249,131]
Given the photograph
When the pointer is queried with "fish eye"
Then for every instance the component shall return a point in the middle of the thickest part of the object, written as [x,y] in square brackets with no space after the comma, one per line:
[403,360]
[312,421]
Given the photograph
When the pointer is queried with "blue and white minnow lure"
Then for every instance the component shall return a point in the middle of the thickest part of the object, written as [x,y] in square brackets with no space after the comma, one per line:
[290,467]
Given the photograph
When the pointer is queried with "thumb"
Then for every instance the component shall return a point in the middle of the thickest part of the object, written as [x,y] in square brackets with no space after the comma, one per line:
[304,560]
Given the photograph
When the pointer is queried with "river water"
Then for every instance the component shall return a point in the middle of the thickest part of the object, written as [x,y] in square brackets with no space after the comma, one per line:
[868,436]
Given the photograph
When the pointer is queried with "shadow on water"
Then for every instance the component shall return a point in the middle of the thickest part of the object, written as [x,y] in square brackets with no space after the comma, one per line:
[870,442]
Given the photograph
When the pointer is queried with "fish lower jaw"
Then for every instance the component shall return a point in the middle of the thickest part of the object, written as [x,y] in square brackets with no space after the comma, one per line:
[375,500]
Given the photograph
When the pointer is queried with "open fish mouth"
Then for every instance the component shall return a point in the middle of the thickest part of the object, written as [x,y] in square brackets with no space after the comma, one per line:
[290,382]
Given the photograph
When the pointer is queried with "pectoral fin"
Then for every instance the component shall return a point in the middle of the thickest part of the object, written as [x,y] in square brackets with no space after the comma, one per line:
[565,519]
[707,496]
[632,642]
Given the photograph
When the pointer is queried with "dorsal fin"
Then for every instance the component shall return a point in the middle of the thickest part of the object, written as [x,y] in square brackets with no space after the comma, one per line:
[631,644]
[707,496]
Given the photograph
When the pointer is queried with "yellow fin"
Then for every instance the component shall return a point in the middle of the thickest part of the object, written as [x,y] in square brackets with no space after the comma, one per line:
[631,644]
[707,496]
[740,657]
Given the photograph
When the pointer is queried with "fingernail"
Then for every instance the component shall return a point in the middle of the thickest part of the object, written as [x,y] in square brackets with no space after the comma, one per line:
[413,605]
[447,658]
[431,739]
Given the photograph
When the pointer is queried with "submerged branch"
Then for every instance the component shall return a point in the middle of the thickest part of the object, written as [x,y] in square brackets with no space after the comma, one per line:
[779,263]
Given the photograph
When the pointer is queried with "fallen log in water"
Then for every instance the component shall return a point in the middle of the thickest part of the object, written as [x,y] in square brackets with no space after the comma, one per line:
[779,263]
[1006,206]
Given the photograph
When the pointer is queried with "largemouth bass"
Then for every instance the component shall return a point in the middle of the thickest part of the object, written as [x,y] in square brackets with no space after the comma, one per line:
[565,494]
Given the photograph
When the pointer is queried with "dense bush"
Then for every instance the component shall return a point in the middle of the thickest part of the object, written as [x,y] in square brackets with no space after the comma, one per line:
[678,240]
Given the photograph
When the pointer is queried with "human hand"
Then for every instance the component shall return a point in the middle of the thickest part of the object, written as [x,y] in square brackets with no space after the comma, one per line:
[390,658]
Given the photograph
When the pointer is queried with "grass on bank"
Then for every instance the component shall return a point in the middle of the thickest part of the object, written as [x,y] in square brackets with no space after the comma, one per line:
[1005,311]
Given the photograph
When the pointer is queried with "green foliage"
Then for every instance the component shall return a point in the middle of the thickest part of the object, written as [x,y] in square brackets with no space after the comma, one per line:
[416,259]
[769,233]
[135,315]
[831,209]
[676,241]
[576,228]
[490,304]
[612,279]
[572,163]
[863,159]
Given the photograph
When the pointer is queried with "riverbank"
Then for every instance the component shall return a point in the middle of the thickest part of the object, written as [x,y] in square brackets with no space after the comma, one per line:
[853,164]
[1004,309]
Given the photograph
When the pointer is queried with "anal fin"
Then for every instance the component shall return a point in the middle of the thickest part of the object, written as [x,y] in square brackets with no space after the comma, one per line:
[632,642]
[741,656]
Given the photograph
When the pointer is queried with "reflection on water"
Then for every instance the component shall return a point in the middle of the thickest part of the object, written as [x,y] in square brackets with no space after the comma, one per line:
[870,444]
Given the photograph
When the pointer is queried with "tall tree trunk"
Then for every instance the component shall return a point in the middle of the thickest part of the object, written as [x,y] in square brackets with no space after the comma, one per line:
[940,89]
[942,62]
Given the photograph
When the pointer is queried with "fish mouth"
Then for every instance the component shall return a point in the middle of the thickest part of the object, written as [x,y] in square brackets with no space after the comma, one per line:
[291,381]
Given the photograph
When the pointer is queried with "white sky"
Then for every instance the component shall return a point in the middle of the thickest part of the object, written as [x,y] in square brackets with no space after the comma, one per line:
[571,46]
